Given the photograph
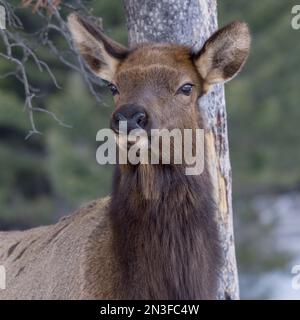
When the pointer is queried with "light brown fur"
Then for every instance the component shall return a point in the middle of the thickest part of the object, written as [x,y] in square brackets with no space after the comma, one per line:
[61,261]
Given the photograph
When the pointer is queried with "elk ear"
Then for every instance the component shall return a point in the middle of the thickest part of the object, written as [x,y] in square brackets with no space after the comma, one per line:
[223,54]
[102,54]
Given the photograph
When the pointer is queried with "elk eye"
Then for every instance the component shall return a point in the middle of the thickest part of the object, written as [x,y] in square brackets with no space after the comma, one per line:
[113,89]
[186,89]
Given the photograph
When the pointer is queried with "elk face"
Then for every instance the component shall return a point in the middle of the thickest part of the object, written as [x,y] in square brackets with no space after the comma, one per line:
[156,86]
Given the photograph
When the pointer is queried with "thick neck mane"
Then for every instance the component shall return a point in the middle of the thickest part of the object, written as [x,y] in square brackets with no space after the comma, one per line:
[165,236]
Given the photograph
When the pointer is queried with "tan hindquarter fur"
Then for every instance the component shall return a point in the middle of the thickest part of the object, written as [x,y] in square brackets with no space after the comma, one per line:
[52,262]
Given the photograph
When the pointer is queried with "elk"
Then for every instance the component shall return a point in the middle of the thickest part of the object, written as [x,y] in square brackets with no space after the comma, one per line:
[156,236]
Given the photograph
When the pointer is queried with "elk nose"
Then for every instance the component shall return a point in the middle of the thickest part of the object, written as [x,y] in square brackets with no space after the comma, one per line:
[135,120]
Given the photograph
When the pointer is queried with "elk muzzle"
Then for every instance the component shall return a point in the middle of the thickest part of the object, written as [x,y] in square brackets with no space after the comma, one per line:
[133,115]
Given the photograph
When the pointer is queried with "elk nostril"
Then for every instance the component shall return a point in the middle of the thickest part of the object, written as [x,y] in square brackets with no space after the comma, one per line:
[140,118]
[116,122]
[119,117]
[126,120]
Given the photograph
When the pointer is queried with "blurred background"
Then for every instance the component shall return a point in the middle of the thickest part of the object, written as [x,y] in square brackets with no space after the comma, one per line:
[49,175]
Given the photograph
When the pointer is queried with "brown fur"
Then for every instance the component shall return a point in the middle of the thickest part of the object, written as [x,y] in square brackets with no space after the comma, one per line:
[168,246]
[166,239]
[157,237]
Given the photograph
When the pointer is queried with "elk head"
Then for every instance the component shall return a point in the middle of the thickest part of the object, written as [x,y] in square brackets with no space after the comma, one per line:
[156,86]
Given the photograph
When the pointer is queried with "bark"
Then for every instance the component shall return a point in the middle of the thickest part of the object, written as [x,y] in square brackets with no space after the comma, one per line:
[191,22]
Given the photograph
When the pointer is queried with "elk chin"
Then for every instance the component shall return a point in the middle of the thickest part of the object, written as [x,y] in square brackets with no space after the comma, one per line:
[122,141]
[126,141]
[134,147]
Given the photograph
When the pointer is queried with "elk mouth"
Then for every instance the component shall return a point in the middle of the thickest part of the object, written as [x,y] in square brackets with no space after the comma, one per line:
[125,141]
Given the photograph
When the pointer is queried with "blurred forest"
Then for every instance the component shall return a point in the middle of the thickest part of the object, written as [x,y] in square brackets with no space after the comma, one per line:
[49,175]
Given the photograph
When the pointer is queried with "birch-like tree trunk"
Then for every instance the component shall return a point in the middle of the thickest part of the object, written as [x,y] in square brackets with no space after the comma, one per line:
[191,22]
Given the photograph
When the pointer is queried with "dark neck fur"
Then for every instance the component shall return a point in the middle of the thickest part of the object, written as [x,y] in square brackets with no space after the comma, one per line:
[164,233]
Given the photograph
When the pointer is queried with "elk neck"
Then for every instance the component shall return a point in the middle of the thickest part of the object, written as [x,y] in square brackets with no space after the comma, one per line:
[165,236]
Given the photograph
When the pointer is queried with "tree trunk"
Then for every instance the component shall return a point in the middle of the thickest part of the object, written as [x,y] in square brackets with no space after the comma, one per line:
[191,22]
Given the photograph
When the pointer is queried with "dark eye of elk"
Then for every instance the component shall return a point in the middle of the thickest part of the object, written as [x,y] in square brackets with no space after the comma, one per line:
[186,89]
[113,89]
